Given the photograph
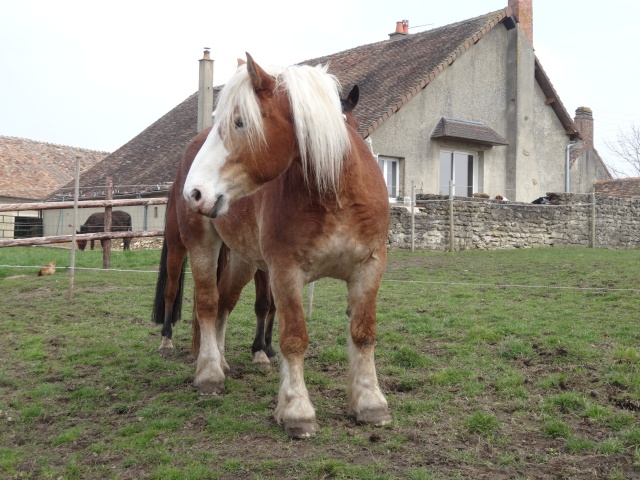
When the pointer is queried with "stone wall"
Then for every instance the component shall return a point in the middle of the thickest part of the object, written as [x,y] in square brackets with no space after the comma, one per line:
[491,224]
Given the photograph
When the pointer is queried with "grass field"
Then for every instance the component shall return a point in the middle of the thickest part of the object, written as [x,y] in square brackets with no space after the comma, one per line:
[520,364]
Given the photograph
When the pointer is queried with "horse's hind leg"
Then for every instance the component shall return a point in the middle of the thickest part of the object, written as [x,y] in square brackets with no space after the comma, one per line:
[265,310]
[365,399]
[234,276]
[172,295]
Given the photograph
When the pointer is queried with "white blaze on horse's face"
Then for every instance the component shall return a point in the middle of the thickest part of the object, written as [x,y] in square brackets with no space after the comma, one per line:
[206,188]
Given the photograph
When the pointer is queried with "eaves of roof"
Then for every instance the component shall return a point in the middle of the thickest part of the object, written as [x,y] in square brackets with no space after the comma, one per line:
[553,100]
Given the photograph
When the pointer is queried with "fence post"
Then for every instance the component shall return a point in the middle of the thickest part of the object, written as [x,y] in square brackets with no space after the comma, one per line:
[593,219]
[72,260]
[412,204]
[106,243]
[451,242]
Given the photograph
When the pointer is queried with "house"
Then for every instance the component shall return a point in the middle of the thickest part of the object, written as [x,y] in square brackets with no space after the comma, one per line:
[31,171]
[467,103]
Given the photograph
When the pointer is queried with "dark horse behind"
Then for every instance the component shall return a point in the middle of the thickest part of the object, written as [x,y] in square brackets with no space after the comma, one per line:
[120,222]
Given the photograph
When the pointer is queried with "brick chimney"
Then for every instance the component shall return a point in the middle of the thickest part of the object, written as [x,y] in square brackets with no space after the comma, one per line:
[523,10]
[402,30]
[584,123]
[205,92]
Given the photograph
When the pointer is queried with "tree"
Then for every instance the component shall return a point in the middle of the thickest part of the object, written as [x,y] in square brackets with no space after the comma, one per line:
[626,147]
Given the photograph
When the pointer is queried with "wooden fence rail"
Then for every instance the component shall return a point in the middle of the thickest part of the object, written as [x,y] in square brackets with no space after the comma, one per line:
[16,242]
[126,202]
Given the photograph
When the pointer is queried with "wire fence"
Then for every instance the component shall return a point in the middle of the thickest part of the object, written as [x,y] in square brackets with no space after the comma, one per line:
[419,282]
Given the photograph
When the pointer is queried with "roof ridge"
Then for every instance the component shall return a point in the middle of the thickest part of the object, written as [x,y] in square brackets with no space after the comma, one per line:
[42,142]
[430,31]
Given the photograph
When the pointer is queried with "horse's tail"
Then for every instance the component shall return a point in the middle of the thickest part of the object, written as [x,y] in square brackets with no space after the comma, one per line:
[223,259]
[158,303]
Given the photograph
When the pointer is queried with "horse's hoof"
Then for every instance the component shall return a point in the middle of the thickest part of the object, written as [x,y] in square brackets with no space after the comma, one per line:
[377,417]
[300,429]
[165,352]
[209,387]
[166,347]
[260,359]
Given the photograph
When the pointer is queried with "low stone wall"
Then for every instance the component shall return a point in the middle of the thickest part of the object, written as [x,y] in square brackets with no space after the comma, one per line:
[491,224]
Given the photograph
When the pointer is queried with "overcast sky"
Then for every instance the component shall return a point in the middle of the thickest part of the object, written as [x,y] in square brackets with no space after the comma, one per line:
[95,74]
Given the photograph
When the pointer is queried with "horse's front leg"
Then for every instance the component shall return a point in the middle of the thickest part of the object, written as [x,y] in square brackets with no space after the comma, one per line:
[294,410]
[209,377]
[365,399]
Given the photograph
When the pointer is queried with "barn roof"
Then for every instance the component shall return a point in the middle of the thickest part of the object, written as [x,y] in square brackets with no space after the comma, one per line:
[33,170]
[389,73]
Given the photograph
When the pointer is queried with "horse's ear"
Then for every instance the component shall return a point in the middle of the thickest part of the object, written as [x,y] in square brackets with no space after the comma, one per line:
[240,62]
[261,80]
[349,103]
[354,96]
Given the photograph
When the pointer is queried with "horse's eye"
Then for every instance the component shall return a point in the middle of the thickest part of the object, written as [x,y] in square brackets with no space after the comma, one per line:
[238,123]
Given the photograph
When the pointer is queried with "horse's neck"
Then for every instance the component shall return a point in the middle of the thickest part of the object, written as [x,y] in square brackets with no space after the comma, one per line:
[293,184]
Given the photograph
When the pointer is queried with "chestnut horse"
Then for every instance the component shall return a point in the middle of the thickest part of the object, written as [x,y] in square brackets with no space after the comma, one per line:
[331,222]
[294,190]
[167,305]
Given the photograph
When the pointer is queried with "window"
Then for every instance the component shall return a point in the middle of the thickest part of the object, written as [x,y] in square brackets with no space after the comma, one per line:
[391,171]
[462,169]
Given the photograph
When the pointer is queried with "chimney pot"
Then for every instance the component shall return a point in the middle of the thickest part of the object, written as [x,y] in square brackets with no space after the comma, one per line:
[405,27]
[399,27]
[207,53]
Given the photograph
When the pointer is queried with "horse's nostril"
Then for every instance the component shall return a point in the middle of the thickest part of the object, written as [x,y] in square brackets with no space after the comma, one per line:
[196,195]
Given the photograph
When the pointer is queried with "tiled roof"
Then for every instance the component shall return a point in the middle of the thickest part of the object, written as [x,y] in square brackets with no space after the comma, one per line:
[448,128]
[391,72]
[31,169]
[149,159]
[388,73]
[619,187]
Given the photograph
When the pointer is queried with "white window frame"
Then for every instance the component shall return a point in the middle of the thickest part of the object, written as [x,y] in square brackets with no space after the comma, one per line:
[383,163]
[444,189]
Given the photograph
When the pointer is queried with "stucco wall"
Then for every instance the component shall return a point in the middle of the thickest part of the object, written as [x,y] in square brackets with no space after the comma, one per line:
[550,147]
[472,88]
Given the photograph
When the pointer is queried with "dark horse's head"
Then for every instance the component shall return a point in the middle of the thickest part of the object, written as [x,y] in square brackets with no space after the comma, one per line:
[82,244]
